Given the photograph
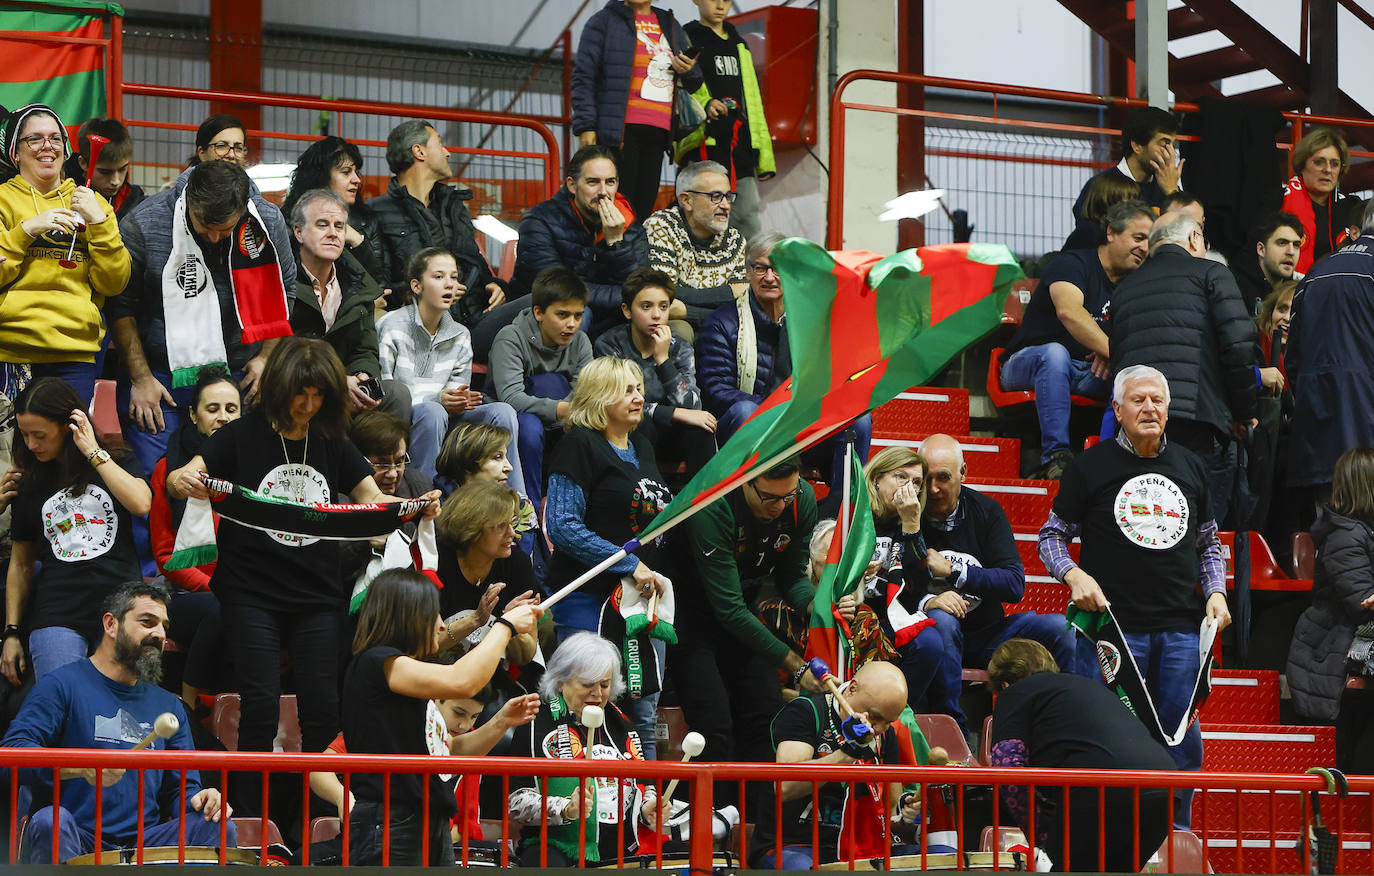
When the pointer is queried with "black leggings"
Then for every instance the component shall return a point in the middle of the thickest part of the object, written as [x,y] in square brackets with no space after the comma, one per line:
[641,166]
[196,628]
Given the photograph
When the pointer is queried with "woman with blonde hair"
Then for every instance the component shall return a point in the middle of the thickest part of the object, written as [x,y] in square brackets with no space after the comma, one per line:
[1320,161]
[604,489]
[897,493]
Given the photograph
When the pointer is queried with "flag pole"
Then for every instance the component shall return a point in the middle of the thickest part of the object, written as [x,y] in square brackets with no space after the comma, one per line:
[842,530]
[705,500]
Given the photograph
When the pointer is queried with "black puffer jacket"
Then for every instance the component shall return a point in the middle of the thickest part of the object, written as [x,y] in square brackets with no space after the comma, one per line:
[1184,316]
[406,227]
[1345,576]
[554,233]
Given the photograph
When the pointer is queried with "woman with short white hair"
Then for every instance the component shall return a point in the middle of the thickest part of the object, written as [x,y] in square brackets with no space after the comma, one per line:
[583,673]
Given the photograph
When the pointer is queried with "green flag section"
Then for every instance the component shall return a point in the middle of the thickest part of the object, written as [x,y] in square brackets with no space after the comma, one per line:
[69,77]
[861,328]
[845,566]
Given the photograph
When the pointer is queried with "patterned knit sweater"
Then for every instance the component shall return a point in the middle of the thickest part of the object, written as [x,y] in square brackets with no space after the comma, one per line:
[703,269]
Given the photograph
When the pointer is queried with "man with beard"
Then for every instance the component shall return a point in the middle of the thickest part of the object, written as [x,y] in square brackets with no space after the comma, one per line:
[1278,240]
[112,701]
[589,228]
[1061,348]
[692,242]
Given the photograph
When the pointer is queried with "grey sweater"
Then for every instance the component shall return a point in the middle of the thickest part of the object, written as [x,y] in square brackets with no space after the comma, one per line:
[667,387]
[519,352]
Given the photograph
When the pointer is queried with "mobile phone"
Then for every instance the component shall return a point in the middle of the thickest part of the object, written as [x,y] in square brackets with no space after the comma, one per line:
[372,388]
[692,52]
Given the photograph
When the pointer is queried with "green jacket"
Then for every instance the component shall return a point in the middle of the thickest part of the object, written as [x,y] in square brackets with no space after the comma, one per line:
[354,333]
[759,137]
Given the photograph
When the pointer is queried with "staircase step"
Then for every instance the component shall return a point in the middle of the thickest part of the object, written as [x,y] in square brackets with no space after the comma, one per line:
[1212,66]
[1184,22]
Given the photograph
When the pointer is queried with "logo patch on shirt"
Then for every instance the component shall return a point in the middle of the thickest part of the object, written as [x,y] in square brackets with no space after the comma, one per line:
[80,526]
[295,482]
[1151,511]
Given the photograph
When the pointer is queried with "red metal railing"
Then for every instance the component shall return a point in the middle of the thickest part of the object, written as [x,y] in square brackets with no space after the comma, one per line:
[549,157]
[700,778]
[839,108]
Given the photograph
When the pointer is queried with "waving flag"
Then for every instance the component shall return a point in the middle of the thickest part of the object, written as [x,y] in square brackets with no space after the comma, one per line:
[845,567]
[861,328]
[69,77]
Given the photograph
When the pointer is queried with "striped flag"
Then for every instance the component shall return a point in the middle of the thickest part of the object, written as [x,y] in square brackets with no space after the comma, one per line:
[861,328]
[68,77]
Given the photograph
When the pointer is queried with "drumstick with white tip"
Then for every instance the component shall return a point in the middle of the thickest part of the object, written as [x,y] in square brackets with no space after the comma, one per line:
[165,727]
[692,745]
[592,718]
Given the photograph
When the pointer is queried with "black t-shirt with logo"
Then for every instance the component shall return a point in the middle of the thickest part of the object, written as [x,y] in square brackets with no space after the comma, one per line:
[1041,324]
[270,570]
[377,720]
[84,544]
[1140,519]
[813,719]
[621,500]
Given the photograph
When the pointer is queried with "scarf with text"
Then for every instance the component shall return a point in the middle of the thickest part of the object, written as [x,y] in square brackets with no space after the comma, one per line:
[190,302]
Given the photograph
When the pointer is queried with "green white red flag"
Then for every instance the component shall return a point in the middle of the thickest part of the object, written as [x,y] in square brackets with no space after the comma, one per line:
[861,329]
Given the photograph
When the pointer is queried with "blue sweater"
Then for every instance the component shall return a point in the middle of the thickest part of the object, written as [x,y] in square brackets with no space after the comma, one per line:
[78,707]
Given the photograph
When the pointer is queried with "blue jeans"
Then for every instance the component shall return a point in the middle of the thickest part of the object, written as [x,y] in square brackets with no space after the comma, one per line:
[80,376]
[921,659]
[974,649]
[149,447]
[429,423]
[535,437]
[1054,375]
[799,857]
[1169,663]
[74,839]
[54,647]
[740,411]
[580,611]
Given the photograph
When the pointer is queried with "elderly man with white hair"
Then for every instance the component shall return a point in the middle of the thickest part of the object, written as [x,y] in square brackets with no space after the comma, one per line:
[1184,314]
[1139,505]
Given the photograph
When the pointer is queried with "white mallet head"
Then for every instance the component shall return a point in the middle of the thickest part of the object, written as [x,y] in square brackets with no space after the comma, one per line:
[593,717]
[166,725]
[693,744]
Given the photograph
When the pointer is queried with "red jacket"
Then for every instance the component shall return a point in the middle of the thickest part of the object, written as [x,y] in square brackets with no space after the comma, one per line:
[1297,202]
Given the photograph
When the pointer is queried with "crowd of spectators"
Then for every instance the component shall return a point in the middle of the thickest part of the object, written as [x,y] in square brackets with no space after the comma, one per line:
[342,347]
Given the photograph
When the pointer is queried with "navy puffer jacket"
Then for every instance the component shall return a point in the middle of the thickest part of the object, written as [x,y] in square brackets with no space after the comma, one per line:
[1344,577]
[605,65]
[717,365]
[553,233]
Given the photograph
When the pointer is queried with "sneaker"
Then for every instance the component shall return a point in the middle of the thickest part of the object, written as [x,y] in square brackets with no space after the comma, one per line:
[1054,469]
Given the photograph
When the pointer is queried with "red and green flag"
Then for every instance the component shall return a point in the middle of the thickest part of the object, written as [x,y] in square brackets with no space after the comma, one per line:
[861,329]
[844,570]
[69,77]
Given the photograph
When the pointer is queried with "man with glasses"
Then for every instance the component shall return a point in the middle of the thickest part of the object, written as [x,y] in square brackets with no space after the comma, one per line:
[1183,314]
[692,242]
[743,355]
[748,545]
[974,567]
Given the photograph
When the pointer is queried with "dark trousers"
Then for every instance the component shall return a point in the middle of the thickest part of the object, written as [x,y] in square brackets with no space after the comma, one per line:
[196,628]
[680,443]
[1085,834]
[258,638]
[737,724]
[1219,455]
[365,837]
[536,439]
[641,166]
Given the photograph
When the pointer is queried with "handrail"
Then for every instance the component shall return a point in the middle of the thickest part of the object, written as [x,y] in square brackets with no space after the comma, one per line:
[838,106]
[702,776]
[296,101]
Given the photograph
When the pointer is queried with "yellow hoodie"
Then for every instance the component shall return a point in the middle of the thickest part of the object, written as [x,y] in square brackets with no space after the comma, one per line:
[49,313]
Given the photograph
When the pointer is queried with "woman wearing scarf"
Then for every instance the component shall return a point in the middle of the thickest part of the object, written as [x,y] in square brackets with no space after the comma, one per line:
[194,610]
[604,489]
[50,313]
[584,671]
[280,590]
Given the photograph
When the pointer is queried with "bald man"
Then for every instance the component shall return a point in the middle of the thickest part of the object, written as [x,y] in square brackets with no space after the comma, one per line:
[809,729]
[974,568]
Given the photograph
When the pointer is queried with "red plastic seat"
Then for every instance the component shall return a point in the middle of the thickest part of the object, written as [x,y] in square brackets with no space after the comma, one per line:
[324,828]
[1181,852]
[985,457]
[942,730]
[1304,556]
[671,727]
[104,414]
[1014,310]
[1010,398]
[250,836]
[224,723]
[1265,573]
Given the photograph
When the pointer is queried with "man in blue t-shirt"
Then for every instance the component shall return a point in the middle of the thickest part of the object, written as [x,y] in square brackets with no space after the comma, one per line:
[1060,349]
[112,701]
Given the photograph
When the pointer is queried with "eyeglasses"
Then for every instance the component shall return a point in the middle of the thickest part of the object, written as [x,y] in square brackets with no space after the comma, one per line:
[1324,163]
[380,467]
[38,141]
[221,148]
[716,197]
[775,498]
[762,268]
